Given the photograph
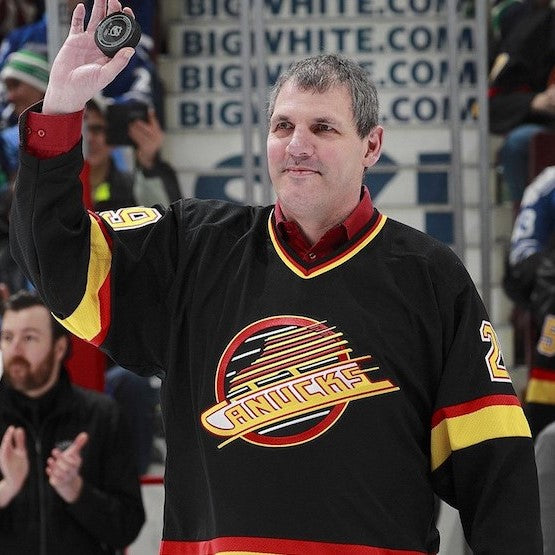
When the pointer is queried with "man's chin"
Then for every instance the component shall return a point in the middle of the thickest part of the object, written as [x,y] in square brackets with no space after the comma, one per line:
[15,382]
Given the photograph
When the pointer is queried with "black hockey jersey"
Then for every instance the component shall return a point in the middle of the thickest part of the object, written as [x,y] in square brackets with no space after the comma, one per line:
[309,409]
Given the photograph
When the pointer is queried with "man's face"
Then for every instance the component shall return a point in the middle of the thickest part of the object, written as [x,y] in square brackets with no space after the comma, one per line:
[98,151]
[21,95]
[316,158]
[31,360]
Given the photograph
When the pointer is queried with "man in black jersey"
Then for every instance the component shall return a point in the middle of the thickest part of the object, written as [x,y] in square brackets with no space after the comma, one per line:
[325,369]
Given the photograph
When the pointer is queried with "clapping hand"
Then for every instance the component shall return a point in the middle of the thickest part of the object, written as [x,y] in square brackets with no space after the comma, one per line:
[14,464]
[62,469]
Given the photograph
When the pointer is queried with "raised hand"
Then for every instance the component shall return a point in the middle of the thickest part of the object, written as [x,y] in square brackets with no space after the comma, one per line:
[14,464]
[81,70]
[148,138]
[62,469]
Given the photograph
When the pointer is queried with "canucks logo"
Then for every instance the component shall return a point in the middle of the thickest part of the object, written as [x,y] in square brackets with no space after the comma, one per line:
[285,380]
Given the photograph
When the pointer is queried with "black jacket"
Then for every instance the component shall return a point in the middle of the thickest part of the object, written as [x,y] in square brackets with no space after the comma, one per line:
[527,46]
[109,512]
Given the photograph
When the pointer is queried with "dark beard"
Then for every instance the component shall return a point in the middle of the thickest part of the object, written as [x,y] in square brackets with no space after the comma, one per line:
[30,380]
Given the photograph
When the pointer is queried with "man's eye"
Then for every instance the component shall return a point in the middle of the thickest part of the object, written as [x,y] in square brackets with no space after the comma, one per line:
[324,127]
[283,125]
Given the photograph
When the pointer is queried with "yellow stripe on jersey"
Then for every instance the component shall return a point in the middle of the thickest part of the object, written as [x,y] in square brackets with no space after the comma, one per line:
[85,321]
[540,391]
[464,430]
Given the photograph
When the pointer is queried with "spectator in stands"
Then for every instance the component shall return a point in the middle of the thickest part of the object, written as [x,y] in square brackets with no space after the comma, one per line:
[522,95]
[11,277]
[25,77]
[15,13]
[68,480]
[530,282]
[154,180]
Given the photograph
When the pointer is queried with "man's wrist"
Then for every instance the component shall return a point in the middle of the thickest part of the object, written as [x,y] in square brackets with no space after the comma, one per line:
[71,492]
[52,106]
[6,494]
[147,161]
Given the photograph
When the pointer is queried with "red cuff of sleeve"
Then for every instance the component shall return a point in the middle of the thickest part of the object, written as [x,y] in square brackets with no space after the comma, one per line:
[47,136]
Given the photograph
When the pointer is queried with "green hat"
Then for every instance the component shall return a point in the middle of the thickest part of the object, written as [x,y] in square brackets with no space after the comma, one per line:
[27,66]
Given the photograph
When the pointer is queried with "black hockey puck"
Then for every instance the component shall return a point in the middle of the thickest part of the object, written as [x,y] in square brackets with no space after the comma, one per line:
[117,31]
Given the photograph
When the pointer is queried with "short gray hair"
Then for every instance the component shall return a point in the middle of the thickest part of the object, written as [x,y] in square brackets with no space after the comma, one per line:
[320,73]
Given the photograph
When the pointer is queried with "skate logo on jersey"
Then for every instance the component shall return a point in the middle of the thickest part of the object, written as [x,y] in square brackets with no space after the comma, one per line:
[285,380]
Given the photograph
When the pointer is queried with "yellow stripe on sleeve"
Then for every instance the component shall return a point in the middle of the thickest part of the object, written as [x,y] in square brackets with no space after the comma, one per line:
[540,391]
[458,432]
[85,321]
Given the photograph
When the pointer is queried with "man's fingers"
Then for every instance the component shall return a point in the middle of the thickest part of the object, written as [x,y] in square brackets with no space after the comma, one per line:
[19,438]
[129,11]
[14,438]
[60,466]
[7,440]
[78,443]
[98,13]
[114,66]
[63,465]
[140,128]
[77,20]
[114,6]
[69,459]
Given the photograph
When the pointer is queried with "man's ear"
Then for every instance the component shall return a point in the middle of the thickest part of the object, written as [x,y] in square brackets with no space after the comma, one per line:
[373,143]
[61,347]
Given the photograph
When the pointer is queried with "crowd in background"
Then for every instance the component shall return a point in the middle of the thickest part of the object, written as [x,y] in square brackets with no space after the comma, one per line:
[522,112]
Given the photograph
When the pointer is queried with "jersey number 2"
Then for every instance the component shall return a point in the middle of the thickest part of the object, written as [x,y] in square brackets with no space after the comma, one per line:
[494,360]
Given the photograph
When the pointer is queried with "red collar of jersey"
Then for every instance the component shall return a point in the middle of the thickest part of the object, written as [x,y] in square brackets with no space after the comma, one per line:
[333,238]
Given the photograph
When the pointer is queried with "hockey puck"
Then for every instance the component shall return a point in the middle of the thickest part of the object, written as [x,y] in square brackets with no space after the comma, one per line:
[116,31]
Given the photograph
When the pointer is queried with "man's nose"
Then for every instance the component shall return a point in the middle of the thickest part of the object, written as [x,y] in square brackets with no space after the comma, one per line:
[16,346]
[300,145]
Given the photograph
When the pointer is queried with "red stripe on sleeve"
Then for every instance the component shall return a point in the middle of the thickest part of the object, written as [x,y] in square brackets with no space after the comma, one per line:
[542,374]
[473,406]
